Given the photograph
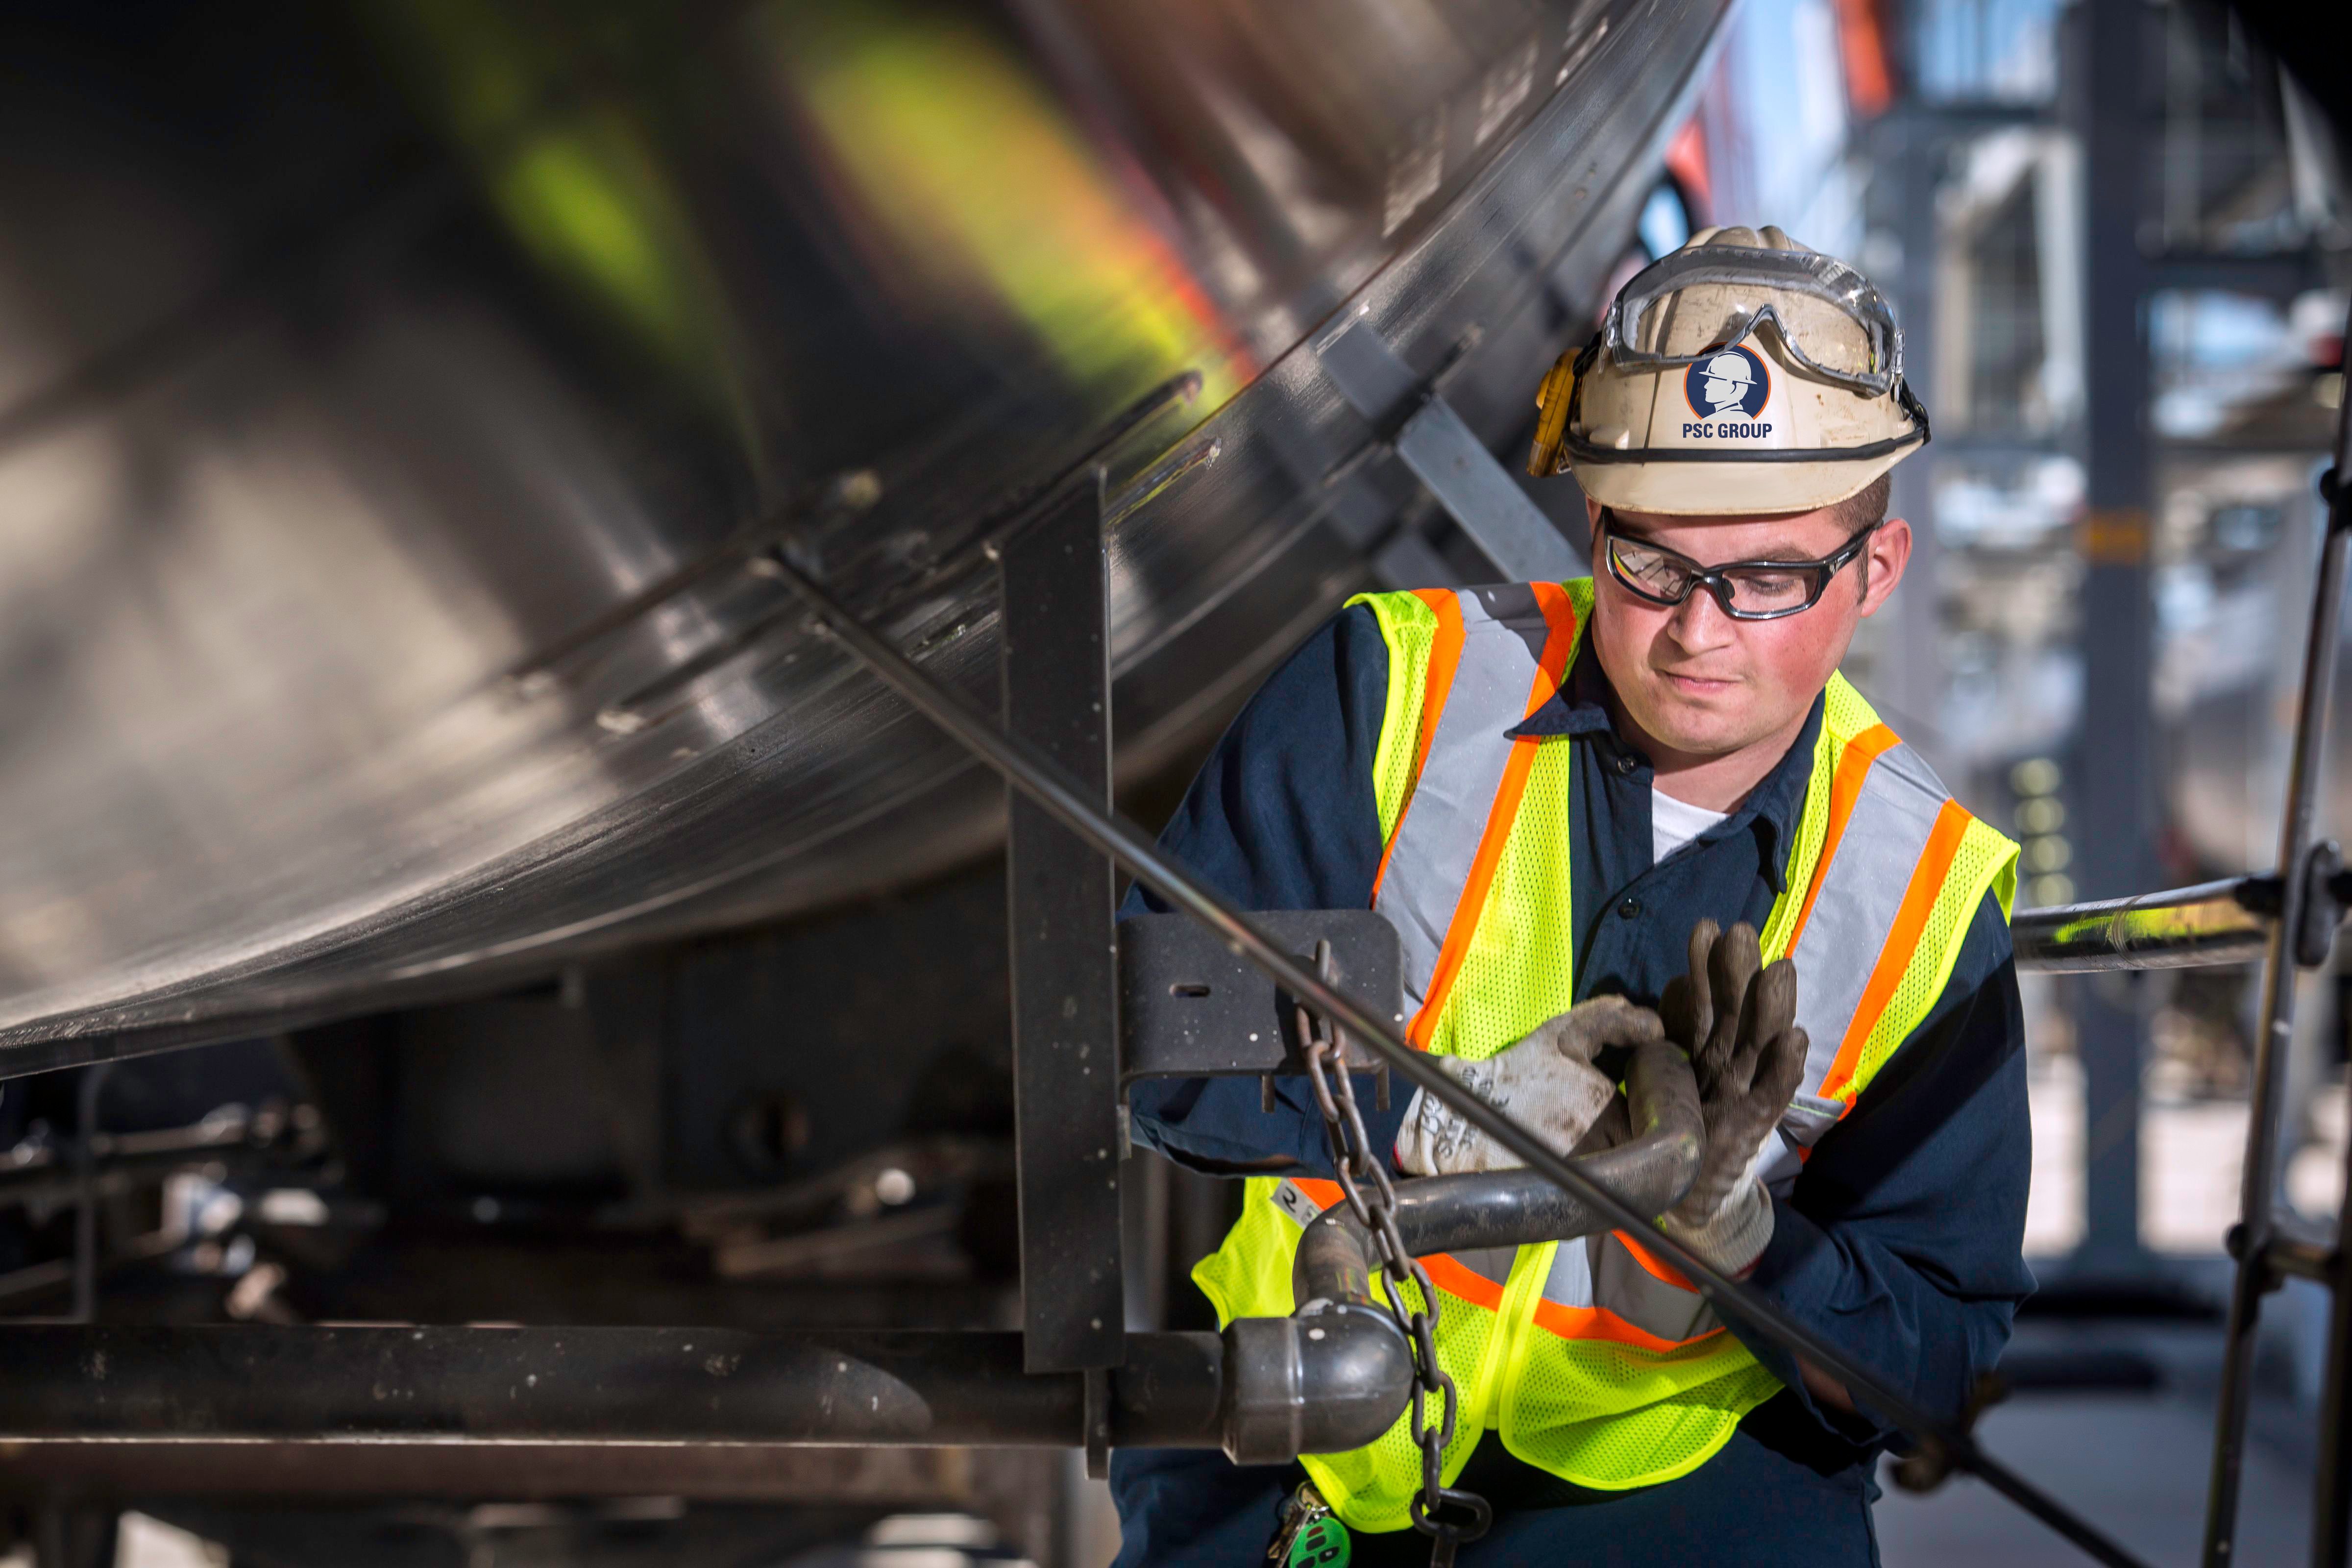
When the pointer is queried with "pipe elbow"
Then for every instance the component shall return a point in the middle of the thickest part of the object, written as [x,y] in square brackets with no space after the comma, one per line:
[1331,1379]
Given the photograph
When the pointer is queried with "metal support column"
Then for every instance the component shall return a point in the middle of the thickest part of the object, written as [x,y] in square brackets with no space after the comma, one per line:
[2304,870]
[1057,671]
[2113,787]
[2331,1518]
[87,1089]
[2253,1239]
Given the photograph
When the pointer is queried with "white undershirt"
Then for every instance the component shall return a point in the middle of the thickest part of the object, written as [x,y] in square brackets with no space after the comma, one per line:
[1675,823]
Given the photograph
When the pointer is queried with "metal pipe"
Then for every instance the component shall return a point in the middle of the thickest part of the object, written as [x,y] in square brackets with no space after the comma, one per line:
[1519,1208]
[1268,1390]
[1038,778]
[1332,1378]
[2299,1250]
[271,1472]
[2184,928]
[2272,1039]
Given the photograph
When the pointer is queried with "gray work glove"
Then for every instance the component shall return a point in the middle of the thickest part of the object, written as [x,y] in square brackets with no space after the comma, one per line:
[1736,1018]
[1546,1081]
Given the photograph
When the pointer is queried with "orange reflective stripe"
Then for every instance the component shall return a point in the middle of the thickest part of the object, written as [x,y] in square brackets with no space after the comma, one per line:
[1902,941]
[1456,1278]
[1600,1323]
[1444,658]
[1322,1193]
[1560,619]
[1657,1268]
[1845,788]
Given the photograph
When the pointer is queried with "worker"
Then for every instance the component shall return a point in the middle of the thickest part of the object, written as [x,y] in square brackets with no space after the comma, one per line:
[1588,805]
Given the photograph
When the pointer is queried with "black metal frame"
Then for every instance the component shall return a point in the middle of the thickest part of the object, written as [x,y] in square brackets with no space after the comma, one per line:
[1056,664]
[2266,1254]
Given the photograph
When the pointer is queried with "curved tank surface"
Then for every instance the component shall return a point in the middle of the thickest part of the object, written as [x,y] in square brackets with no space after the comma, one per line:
[393,398]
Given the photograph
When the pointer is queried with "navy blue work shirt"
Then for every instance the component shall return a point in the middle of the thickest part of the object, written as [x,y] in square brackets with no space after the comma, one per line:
[1901,1240]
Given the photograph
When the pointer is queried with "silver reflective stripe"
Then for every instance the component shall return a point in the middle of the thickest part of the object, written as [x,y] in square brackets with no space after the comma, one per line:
[1570,1282]
[1489,1263]
[1601,1270]
[1649,1304]
[1292,1200]
[1862,891]
[1503,633]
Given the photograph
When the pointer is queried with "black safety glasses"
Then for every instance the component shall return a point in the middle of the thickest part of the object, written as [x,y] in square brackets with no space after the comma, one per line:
[1748,590]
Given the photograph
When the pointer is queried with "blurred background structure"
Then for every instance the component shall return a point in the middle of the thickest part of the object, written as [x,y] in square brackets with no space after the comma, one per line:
[2117,236]
[393,399]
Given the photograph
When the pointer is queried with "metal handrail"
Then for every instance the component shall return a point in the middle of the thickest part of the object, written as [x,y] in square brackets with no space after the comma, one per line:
[1029,770]
[2211,924]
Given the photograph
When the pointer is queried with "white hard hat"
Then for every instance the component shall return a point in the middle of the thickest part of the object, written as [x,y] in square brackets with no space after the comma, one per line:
[1645,415]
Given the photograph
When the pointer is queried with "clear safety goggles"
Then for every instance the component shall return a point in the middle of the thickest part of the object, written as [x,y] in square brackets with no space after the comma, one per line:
[1699,301]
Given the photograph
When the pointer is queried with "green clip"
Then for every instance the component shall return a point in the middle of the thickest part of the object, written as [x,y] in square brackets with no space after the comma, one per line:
[1311,1535]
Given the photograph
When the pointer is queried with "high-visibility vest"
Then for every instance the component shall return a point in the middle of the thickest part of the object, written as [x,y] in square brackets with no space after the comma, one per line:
[1594,1359]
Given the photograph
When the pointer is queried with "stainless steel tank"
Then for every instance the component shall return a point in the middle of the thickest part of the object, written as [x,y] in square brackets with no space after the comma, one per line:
[391,396]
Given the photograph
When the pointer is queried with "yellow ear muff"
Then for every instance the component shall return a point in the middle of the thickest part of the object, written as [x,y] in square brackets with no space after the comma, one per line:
[1552,400]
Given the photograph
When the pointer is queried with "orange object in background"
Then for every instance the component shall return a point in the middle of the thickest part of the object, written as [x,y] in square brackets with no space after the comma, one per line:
[1686,162]
[1862,45]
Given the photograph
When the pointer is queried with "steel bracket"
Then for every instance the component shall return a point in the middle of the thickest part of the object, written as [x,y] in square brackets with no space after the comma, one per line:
[1475,491]
[1061,895]
[1192,1007]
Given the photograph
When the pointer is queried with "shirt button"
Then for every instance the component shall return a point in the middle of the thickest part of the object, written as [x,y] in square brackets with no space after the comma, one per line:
[1629,908]
[1625,763]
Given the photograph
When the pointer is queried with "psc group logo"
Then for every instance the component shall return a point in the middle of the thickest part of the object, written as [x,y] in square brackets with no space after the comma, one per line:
[1727,390]
[1731,382]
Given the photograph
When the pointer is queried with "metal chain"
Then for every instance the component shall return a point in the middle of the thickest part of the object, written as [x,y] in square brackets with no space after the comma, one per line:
[1371,1198]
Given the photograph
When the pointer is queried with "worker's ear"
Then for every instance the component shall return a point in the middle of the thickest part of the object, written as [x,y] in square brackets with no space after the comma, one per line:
[1592,540]
[1888,551]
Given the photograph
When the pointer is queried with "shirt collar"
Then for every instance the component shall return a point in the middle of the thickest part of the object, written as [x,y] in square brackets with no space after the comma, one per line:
[1581,708]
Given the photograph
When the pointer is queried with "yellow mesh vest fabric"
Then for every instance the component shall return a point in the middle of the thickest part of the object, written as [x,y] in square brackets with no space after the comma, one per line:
[1408,626]
[1593,1411]
[1611,1415]
[1838,727]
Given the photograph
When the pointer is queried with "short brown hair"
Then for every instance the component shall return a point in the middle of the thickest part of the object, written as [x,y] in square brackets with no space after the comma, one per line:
[1866,507]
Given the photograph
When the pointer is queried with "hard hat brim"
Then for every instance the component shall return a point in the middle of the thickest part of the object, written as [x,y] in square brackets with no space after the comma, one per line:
[1731,489]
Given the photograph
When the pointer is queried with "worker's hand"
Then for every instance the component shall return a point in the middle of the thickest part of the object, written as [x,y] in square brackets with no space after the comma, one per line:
[1546,1081]
[1736,1016]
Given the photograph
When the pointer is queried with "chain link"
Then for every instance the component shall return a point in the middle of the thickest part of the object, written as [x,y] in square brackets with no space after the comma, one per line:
[1437,1511]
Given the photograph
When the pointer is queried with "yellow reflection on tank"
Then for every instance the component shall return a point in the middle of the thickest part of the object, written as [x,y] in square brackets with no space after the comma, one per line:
[980,176]
[576,182]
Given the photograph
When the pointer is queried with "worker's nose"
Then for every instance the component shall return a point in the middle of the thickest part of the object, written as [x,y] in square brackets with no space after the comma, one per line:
[1699,624]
